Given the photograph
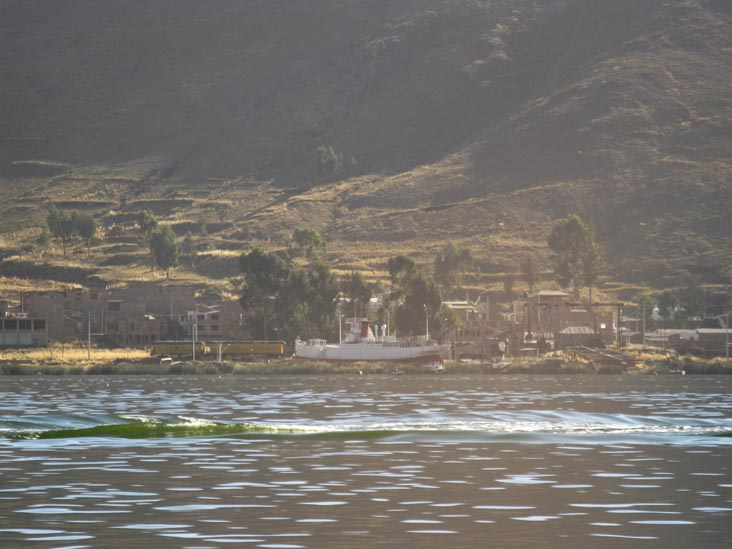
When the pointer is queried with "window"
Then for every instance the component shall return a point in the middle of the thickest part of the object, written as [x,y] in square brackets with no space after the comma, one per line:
[24,323]
[215,328]
[11,324]
[39,324]
[114,305]
[215,316]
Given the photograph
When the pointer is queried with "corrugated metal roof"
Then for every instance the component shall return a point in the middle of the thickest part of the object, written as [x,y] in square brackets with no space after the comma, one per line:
[550,293]
[578,330]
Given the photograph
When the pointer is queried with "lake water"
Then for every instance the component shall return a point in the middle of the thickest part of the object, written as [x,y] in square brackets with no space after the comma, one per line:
[366,461]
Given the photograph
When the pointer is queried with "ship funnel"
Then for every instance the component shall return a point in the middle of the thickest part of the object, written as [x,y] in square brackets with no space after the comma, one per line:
[365,328]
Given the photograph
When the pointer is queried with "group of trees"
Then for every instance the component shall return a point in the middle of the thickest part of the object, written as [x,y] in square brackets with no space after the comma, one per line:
[66,226]
[160,239]
[283,299]
[680,305]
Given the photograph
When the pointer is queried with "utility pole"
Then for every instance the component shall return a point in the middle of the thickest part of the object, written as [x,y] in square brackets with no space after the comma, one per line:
[88,335]
[726,335]
[644,323]
[194,330]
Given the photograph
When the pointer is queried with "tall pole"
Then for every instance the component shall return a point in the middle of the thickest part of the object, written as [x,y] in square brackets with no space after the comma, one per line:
[194,331]
[427,322]
[644,323]
[88,335]
[726,336]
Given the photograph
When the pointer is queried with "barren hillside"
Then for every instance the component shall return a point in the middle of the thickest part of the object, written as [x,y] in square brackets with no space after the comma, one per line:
[475,121]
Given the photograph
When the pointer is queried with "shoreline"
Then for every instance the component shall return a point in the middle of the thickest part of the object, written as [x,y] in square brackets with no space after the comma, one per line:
[668,366]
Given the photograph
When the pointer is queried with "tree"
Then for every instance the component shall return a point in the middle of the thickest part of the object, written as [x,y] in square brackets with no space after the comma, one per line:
[330,162]
[529,272]
[164,248]
[447,319]
[308,241]
[666,304]
[44,238]
[85,227]
[422,300]
[691,299]
[279,296]
[61,225]
[264,277]
[578,259]
[450,264]
[188,250]
[591,263]
[147,223]
[400,267]
[321,298]
[508,287]
[354,287]
[645,303]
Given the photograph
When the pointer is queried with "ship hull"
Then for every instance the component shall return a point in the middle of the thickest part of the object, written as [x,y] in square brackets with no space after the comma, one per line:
[369,352]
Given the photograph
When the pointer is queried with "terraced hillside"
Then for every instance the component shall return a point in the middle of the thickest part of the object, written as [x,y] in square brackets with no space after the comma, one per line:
[480,122]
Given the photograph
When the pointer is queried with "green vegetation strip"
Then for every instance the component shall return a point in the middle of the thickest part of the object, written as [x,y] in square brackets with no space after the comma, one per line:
[159,429]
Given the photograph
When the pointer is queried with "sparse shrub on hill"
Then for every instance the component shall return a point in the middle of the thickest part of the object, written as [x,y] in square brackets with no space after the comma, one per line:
[330,163]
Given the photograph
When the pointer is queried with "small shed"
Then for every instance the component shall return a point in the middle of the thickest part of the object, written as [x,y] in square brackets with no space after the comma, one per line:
[574,336]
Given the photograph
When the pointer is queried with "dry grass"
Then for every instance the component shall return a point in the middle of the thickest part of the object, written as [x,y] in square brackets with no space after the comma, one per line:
[70,354]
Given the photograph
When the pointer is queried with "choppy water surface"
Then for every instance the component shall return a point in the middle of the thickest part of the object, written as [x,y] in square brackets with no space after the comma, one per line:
[337,461]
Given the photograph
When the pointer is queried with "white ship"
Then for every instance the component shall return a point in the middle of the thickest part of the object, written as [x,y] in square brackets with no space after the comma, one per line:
[361,344]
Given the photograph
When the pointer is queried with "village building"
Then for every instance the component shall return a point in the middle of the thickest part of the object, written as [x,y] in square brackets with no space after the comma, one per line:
[66,312]
[218,322]
[577,336]
[551,312]
[483,330]
[134,315]
[20,330]
[714,341]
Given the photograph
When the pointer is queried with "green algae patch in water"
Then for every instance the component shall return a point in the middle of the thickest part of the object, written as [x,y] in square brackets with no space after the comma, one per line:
[146,429]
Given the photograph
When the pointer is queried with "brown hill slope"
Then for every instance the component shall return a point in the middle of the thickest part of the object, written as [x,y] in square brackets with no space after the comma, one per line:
[480,122]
